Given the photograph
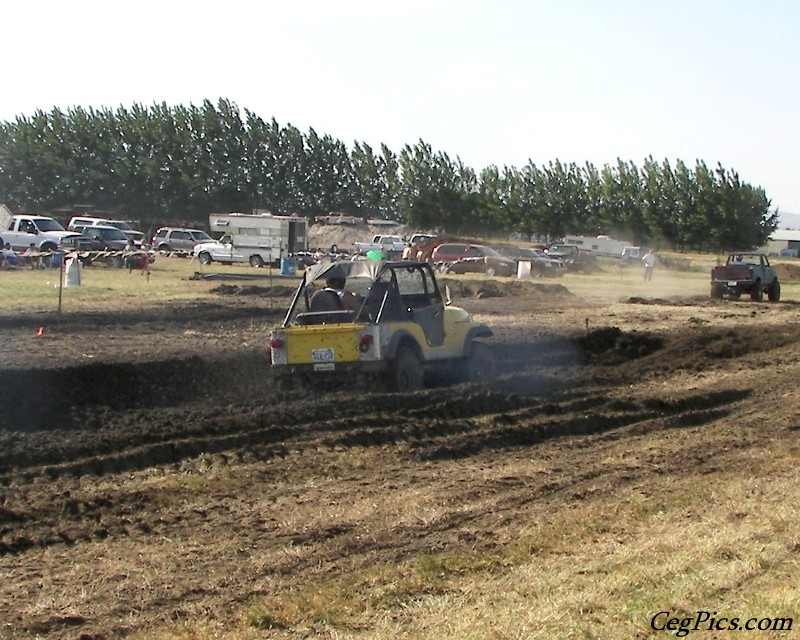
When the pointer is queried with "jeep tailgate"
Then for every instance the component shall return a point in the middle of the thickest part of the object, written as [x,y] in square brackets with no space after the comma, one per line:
[332,343]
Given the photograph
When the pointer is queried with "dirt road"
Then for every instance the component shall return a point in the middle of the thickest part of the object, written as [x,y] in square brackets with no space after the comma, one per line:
[150,474]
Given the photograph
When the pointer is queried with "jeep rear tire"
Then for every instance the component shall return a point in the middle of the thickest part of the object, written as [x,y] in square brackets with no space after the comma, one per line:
[405,372]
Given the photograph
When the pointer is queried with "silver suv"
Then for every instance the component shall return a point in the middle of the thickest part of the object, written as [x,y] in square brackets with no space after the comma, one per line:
[178,239]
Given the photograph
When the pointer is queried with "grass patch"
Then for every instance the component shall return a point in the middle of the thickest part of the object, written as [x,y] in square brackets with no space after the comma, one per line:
[599,570]
[35,290]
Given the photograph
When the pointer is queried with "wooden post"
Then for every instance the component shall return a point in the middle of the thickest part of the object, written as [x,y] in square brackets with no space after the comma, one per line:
[61,282]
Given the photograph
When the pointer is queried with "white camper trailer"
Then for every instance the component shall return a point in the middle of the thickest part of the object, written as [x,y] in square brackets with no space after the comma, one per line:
[256,239]
[599,245]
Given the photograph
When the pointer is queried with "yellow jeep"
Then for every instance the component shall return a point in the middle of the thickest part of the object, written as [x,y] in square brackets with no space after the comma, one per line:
[399,326]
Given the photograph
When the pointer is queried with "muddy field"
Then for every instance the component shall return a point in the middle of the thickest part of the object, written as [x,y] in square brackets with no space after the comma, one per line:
[150,473]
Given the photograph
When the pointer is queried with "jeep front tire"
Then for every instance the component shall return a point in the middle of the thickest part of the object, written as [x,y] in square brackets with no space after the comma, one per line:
[480,367]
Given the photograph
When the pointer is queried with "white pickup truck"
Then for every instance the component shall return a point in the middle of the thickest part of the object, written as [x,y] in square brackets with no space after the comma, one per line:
[384,244]
[226,251]
[45,233]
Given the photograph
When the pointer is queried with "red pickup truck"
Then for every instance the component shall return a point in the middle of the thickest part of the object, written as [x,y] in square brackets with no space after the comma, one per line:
[746,273]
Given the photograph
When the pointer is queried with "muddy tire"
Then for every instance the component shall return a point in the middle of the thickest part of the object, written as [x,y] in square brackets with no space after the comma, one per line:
[491,272]
[716,292]
[757,292]
[774,293]
[479,366]
[406,373]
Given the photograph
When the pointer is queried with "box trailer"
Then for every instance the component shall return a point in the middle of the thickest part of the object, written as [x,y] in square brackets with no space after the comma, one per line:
[253,238]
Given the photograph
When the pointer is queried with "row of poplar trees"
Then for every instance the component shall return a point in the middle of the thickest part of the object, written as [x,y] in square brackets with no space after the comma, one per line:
[170,165]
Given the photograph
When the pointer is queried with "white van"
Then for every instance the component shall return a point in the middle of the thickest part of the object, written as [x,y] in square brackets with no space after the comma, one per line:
[78,223]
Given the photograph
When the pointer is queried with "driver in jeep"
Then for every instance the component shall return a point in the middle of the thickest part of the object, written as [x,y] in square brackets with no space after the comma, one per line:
[334,298]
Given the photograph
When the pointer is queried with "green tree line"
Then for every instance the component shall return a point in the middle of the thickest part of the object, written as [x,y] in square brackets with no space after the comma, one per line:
[164,165]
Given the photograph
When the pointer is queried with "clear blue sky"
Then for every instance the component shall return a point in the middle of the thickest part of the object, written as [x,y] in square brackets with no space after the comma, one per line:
[497,82]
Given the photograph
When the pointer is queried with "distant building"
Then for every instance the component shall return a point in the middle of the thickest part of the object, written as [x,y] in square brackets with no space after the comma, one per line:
[784,243]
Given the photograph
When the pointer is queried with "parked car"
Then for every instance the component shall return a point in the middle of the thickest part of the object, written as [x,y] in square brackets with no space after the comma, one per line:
[178,239]
[106,238]
[542,265]
[568,252]
[417,238]
[471,258]
[572,256]
[79,223]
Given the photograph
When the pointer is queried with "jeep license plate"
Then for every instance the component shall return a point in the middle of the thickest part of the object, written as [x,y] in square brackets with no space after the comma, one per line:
[322,355]
[732,283]
[325,366]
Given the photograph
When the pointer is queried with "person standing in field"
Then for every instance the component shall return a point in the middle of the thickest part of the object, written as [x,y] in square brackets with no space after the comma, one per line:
[649,260]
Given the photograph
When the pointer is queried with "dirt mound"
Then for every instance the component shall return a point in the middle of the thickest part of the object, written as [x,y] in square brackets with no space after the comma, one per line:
[254,290]
[494,288]
[343,237]
[610,345]
[669,302]
[788,271]
[48,399]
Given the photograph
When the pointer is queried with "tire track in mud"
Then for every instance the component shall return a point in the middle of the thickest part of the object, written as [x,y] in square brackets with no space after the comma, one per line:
[458,427]
[493,503]
[265,431]
[162,407]
[569,420]
[436,424]
[130,444]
